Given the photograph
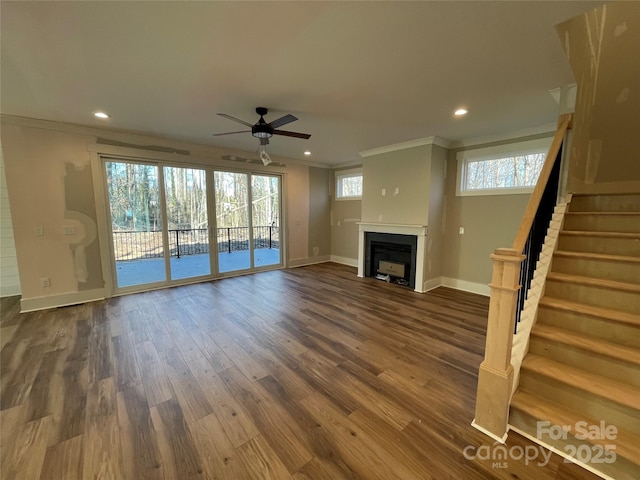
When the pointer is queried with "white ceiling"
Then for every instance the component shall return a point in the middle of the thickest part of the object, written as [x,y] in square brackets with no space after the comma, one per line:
[358,75]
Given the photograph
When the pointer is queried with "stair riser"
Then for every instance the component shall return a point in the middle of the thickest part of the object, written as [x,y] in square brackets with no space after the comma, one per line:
[612,246]
[590,295]
[621,469]
[602,223]
[591,405]
[618,271]
[608,330]
[605,203]
[624,372]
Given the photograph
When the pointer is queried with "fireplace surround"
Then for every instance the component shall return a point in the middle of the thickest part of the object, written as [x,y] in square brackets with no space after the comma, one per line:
[394,237]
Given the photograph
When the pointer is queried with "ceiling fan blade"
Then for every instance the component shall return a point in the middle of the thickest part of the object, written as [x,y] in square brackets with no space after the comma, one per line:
[235,119]
[278,122]
[264,141]
[306,136]
[229,133]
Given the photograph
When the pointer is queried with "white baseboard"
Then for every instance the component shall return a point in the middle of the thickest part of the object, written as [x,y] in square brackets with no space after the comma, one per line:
[465,286]
[431,284]
[61,300]
[301,262]
[351,262]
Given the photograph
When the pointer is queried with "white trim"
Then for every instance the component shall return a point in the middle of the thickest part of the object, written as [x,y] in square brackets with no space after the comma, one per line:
[549,128]
[351,262]
[502,439]
[431,284]
[60,300]
[562,453]
[302,262]
[465,286]
[434,140]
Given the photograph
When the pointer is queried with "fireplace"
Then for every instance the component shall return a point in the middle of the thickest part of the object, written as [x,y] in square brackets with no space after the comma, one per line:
[391,256]
[401,249]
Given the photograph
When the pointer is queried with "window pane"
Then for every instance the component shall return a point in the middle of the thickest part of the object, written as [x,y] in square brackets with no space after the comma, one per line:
[509,172]
[350,186]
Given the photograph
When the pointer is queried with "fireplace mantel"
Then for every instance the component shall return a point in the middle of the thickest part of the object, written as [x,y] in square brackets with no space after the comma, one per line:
[419,231]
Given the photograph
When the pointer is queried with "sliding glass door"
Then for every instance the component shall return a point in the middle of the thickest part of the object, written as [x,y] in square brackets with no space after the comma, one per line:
[160,222]
[185,192]
[265,214]
[136,223]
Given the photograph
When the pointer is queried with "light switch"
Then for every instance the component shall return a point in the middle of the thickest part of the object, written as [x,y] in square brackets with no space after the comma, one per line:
[461,230]
[384,192]
[69,230]
[39,231]
[397,191]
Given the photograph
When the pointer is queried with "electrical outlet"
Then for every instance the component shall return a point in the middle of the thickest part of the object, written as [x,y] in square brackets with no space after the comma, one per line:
[39,231]
[45,282]
[384,192]
[397,191]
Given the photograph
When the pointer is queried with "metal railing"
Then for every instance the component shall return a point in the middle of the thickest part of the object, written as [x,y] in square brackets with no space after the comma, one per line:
[138,245]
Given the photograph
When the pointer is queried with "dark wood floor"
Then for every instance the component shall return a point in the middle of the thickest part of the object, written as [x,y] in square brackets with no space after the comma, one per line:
[309,373]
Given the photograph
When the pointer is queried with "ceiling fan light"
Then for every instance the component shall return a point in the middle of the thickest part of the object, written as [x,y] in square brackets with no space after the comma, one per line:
[264,156]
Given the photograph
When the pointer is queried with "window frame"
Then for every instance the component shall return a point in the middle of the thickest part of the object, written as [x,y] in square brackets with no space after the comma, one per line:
[465,157]
[341,174]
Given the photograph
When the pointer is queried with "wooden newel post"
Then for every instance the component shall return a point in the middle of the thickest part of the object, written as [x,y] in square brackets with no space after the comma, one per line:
[495,377]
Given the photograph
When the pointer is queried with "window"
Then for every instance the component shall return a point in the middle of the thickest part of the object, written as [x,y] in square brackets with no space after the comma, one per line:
[503,169]
[349,184]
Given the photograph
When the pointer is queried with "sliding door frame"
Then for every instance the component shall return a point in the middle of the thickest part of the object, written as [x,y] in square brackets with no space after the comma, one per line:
[104,153]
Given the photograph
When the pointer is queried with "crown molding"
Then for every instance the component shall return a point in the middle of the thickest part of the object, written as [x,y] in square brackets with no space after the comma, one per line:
[434,140]
[549,128]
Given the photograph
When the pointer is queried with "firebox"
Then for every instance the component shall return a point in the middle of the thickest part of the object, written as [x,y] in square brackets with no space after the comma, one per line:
[393,255]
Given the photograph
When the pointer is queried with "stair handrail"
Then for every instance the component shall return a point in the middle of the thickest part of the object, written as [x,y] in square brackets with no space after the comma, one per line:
[564,123]
[495,376]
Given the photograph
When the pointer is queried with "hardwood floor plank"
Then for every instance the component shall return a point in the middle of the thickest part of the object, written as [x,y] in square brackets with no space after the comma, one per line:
[154,378]
[140,453]
[261,461]
[364,456]
[101,446]
[247,365]
[220,459]
[19,374]
[211,351]
[100,357]
[42,396]
[180,458]
[186,389]
[273,428]
[24,458]
[64,460]
[184,343]
[126,368]
[232,416]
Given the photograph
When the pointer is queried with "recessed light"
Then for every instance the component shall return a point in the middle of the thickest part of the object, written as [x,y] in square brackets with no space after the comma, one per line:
[100,115]
[307,153]
[460,112]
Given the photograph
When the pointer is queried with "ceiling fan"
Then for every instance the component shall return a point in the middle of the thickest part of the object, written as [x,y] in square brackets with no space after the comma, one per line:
[263,130]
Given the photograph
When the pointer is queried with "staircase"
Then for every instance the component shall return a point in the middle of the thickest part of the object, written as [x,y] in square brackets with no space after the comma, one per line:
[583,365]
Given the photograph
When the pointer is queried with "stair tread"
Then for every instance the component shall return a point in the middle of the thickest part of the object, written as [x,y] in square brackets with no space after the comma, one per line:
[605,212]
[597,256]
[590,310]
[594,233]
[620,393]
[587,342]
[594,282]
[627,444]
